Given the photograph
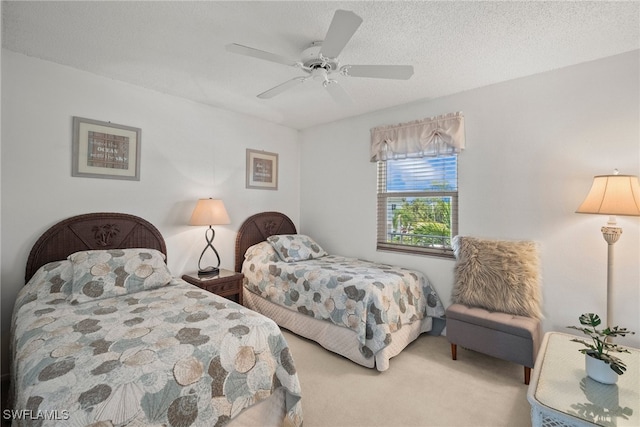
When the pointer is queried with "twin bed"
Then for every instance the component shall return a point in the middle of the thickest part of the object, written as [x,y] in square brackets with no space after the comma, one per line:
[102,334]
[367,312]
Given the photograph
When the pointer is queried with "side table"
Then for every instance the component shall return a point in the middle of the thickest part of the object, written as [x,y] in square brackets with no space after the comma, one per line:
[226,283]
[562,395]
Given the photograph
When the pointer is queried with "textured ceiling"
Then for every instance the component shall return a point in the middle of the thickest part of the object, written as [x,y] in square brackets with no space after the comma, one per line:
[178,47]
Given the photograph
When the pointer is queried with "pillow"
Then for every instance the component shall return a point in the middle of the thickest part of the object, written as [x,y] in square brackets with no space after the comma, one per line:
[50,283]
[53,277]
[263,252]
[497,275]
[295,247]
[99,274]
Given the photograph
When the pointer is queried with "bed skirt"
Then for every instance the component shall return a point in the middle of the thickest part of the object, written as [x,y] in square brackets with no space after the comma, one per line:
[267,413]
[337,339]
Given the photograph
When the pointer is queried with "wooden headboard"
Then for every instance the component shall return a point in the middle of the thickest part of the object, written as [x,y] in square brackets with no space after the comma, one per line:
[104,230]
[257,228]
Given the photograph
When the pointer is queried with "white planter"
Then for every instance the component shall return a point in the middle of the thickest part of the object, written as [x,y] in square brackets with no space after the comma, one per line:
[600,371]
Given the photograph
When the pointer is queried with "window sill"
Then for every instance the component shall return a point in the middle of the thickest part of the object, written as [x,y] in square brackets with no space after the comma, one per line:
[413,250]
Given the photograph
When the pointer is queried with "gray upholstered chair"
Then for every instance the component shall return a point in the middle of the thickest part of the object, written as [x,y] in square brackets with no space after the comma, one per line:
[496,300]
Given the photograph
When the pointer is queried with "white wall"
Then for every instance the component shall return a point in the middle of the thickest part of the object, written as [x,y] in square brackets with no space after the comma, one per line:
[533,147]
[189,151]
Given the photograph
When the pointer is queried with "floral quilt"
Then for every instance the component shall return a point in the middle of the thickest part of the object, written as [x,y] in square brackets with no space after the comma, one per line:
[372,299]
[171,355]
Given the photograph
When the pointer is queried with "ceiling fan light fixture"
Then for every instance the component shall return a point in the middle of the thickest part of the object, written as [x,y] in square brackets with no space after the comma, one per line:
[320,74]
[312,59]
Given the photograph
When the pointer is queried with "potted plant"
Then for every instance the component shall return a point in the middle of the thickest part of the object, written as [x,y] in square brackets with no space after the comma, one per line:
[598,351]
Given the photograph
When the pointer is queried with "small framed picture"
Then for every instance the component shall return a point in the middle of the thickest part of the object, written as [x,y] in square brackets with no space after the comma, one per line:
[262,170]
[105,150]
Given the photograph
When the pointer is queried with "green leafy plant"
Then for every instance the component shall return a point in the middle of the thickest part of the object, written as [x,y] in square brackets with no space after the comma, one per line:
[600,347]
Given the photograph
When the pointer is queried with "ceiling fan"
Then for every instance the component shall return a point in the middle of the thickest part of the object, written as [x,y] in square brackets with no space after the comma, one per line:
[320,60]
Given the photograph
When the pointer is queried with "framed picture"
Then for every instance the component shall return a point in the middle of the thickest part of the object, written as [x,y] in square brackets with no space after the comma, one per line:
[105,150]
[262,170]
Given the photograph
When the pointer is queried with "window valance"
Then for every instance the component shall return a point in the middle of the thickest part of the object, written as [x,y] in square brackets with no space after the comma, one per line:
[433,136]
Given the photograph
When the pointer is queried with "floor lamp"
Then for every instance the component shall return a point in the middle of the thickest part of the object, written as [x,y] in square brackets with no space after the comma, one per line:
[209,212]
[612,195]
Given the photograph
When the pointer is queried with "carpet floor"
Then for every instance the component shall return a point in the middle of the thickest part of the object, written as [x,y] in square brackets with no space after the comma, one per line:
[422,387]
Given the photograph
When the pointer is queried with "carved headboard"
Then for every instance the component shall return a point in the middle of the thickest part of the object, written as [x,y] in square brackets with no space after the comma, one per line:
[257,228]
[104,230]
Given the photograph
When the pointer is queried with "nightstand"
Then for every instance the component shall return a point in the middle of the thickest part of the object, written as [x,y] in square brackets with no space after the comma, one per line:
[226,283]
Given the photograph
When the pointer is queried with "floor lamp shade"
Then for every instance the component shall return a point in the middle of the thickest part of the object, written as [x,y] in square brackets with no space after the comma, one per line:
[209,212]
[612,195]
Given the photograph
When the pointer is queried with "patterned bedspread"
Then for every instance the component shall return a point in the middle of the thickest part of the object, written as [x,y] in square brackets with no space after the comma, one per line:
[372,299]
[174,356]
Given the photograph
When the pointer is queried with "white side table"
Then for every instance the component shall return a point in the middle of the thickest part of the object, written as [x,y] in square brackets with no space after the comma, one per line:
[561,394]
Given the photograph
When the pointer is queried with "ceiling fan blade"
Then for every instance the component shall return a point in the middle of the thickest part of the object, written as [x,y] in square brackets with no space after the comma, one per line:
[399,72]
[343,26]
[338,93]
[282,87]
[260,54]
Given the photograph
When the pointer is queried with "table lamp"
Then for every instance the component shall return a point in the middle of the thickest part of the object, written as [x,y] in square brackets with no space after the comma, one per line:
[209,212]
[612,195]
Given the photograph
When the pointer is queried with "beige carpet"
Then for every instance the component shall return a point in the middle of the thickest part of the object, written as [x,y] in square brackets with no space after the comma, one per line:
[422,387]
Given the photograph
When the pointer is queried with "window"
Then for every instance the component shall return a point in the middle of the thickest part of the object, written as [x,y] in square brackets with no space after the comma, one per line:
[418,204]
[418,183]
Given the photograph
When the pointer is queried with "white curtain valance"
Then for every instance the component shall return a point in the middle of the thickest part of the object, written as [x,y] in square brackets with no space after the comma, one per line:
[433,136]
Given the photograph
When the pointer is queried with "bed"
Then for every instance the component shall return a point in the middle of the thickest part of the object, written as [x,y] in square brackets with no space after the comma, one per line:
[367,312]
[103,335]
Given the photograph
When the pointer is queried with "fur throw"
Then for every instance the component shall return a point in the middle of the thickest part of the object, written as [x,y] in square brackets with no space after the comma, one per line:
[497,275]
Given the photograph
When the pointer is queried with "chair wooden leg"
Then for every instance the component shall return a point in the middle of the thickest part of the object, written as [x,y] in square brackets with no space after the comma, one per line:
[454,351]
[527,375]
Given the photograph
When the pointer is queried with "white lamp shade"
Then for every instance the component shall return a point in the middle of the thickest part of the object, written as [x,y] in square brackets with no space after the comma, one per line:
[209,212]
[613,195]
